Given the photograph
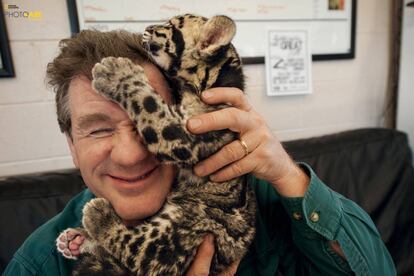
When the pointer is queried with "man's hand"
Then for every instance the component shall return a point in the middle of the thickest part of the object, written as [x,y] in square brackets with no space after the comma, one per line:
[202,260]
[257,151]
[260,153]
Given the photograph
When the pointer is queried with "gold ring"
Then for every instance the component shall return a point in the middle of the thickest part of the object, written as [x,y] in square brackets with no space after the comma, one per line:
[244,145]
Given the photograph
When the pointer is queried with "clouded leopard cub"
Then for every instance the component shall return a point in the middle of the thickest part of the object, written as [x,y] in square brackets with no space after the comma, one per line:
[195,54]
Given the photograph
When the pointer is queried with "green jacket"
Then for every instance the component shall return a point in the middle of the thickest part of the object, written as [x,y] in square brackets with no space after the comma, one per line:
[292,237]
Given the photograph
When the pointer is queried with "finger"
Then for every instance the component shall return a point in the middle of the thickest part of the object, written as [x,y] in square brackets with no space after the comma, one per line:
[236,169]
[227,155]
[231,270]
[229,118]
[202,260]
[228,95]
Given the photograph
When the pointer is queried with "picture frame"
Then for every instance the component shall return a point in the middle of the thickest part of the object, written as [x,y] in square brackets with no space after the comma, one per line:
[6,64]
[332,27]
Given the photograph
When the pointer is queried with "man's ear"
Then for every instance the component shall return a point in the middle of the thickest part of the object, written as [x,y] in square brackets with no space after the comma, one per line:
[72,150]
[216,32]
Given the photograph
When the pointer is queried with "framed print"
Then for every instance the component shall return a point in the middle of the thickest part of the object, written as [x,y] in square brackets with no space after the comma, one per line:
[288,62]
[6,65]
[331,22]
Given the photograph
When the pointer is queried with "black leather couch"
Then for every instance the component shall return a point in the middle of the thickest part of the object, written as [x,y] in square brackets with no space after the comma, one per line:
[373,167]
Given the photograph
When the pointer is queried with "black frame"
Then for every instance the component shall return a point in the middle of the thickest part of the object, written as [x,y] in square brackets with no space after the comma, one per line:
[74,26]
[320,57]
[351,54]
[73,17]
[6,71]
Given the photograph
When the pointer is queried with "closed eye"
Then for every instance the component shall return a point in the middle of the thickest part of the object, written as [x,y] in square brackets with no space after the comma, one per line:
[102,132]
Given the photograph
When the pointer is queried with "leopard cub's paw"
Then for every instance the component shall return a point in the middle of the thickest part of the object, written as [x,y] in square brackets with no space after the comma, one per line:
[71,243]
[98,217]
[115,77]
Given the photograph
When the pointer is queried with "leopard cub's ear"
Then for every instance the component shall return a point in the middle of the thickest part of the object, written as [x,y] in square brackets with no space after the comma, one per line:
[218,31]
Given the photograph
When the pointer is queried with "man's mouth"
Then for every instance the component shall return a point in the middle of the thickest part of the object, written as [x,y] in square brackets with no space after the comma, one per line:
[135,178]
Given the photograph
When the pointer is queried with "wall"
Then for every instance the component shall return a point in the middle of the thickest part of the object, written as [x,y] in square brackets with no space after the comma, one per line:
[347,94]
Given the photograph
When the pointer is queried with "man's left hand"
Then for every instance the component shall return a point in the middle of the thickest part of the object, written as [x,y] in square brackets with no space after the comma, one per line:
[257,151]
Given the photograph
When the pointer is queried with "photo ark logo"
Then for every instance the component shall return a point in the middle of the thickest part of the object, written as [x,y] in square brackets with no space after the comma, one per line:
[14,11]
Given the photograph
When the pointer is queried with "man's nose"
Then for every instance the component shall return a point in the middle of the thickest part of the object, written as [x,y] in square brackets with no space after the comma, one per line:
[128,149]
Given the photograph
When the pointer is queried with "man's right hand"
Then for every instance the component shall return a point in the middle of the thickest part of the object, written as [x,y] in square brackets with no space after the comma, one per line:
[202,260]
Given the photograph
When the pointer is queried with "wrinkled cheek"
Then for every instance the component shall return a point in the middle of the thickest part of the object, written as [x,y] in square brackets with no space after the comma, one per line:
[94,159]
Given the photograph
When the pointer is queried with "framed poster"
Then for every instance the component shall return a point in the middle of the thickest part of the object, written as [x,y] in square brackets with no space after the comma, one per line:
[6,65]
[288,62]
[331,22]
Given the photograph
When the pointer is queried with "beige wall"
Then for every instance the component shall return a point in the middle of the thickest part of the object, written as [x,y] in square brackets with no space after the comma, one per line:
[347,94]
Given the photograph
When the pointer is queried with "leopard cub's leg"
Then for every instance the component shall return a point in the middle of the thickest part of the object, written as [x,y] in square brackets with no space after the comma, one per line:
[104,226]
[99,219]
[162,127]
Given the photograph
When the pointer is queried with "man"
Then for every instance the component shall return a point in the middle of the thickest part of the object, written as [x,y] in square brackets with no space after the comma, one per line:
[303,227]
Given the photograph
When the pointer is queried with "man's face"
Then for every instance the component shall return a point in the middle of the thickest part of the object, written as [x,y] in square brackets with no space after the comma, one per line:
[110,155]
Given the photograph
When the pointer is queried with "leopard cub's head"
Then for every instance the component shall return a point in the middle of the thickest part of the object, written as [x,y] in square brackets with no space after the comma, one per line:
[196,50]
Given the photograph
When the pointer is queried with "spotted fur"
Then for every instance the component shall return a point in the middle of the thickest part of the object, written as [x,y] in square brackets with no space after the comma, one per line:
[195,54]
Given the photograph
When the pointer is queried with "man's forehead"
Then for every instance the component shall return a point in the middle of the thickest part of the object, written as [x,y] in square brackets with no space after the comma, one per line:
[158,81]
[80,91]
[80,82]
[84,102]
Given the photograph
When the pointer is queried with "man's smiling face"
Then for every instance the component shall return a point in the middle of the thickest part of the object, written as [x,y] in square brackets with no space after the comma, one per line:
[110,155]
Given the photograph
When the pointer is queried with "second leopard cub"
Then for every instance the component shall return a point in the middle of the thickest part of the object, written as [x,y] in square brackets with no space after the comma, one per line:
[195,54]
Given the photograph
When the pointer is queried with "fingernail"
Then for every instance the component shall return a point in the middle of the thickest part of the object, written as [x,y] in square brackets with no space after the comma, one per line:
[207,94]
[194,123]
[213,178]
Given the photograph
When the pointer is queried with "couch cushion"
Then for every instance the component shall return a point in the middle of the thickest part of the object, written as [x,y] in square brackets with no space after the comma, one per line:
[374,168]
[26,202]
